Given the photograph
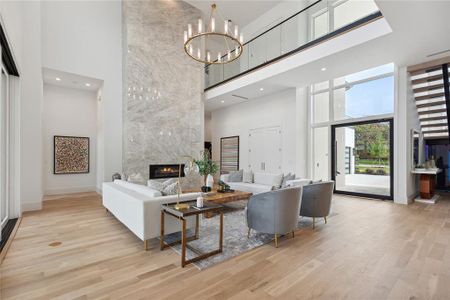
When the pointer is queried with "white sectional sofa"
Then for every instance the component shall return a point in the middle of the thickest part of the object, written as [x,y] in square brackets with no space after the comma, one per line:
[138,207]
[262,182]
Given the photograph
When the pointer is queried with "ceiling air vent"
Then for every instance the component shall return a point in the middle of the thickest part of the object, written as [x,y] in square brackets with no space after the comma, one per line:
[437,53]
[241,97]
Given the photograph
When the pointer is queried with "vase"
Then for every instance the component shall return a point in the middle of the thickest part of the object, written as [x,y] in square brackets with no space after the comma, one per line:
[209,182]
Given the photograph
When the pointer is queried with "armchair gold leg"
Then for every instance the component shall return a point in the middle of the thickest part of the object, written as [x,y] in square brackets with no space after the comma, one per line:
[293,234]
[325,218]
[146,245]
[314,222]
[276,240]
[248,234]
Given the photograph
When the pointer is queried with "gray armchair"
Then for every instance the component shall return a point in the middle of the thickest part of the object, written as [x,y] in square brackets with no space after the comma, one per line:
[274,212]
[316,200]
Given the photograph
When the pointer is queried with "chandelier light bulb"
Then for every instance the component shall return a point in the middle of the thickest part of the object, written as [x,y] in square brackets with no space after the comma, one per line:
[200,25]
[241,38]
[213,24]
[208,56]
[190,49]
[236,51]
[189,30]
[236,31]
[185,36]
[219,57]
[225,27]
[198,53]
[229,55]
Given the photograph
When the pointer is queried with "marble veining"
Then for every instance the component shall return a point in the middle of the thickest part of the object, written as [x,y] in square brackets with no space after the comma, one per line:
[163,108]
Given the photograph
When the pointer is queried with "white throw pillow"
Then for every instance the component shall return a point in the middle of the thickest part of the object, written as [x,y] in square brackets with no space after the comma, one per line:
[171,189]
[235,176]
[277,181]
[286,178]
[247,177]
[160,185]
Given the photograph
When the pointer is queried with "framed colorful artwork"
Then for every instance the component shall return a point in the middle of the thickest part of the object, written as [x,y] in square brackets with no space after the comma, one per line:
[71,154]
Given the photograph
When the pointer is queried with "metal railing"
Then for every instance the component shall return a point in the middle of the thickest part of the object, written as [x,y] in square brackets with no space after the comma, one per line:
[318,21]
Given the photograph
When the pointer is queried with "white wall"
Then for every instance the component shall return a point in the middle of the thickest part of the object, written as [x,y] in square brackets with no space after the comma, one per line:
[85,37]
[208,127]
[406,119]
[270,111]
[30,108]
[81,37]
[71,112]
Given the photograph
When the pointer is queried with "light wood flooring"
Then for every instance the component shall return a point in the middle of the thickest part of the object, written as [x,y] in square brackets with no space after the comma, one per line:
[368,250]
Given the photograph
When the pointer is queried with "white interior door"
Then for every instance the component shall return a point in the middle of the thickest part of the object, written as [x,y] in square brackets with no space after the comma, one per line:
[256,150]
[272,150]
[265,150]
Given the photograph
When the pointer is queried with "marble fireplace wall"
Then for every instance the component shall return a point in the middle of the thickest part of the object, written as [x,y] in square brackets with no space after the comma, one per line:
[163,108]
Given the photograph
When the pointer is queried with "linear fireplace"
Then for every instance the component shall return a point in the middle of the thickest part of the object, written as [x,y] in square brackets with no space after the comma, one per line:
[165,171]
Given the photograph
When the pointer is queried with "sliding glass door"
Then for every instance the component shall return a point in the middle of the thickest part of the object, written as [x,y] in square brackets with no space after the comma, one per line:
[4,166]
[362,158]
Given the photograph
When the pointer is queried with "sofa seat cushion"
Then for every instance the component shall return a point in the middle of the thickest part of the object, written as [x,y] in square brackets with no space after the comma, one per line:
[141,189]
[254,188]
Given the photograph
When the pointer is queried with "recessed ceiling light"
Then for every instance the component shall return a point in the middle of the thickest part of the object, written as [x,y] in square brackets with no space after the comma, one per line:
[261,89]
[323,69]
[87,84]
[58,79]
[222,101]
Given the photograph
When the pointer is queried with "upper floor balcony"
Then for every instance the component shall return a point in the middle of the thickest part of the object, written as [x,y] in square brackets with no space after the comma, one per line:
[317,22]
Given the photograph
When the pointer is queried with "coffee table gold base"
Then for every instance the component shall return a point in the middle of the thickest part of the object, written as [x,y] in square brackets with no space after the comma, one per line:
[184,239]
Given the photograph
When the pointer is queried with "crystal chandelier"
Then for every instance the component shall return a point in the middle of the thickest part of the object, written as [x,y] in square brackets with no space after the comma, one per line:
[211,44]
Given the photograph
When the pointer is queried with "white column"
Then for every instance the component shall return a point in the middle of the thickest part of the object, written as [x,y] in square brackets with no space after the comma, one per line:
[303,132]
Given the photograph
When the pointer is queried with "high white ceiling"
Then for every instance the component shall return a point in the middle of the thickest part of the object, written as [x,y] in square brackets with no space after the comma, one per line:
[419,28]
[70,80]
[240,12]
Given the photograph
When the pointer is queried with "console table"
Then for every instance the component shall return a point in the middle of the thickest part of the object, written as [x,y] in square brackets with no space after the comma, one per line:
[427,178]
[182,215]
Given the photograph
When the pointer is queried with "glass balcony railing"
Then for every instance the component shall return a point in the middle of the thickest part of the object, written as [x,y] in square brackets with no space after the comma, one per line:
[315,23]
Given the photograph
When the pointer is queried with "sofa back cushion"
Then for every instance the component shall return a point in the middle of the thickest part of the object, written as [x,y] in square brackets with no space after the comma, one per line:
[247,176]
[236,176]
[265,178]
[141,189]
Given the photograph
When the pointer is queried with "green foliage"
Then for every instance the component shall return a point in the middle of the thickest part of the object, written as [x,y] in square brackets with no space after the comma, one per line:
[378,148]
[372,141]
[206,165]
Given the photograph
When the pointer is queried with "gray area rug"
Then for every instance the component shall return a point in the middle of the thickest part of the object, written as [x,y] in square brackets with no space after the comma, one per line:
[235,241]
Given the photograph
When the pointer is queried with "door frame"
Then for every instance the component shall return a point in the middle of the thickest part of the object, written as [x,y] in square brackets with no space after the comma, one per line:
[391,157]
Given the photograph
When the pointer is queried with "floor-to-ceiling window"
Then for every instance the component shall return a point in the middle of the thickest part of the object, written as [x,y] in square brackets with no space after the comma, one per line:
[352,131]
[4,119]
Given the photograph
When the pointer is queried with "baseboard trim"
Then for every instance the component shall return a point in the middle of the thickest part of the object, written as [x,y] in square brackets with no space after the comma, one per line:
[31,206]
[71,190]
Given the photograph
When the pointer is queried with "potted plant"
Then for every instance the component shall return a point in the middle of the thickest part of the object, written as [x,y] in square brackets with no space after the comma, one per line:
[207,168]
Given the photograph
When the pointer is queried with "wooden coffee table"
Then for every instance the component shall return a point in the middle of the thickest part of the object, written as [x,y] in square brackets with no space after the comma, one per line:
[222,198]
